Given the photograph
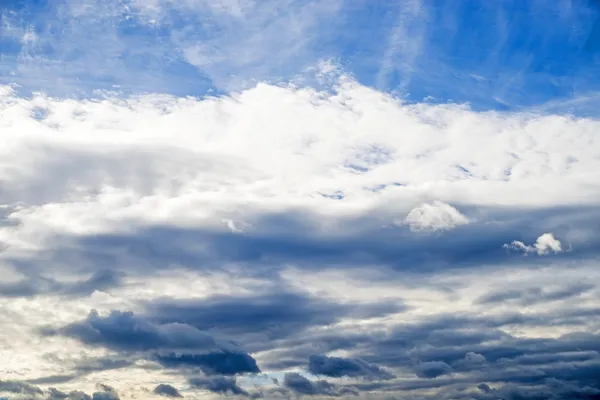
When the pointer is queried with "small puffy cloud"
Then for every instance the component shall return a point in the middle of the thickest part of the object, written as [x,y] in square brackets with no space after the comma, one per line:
[432,369]
[167,390]
[544,245]
[352,367]
[434,216]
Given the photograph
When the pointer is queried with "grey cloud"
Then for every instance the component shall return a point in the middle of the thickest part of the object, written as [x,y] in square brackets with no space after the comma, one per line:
[17,387]
[55,394]
[219,384]
[167,390]
[301,385]
[432,369]
[106,393]
[351,367]
[223,362]
[294,237]
[171,344]
[259,319]
[536,295]
[38,285]
[125,331]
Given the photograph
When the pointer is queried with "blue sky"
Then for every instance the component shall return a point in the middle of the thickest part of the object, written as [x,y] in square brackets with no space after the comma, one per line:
[284,199]
[500,55]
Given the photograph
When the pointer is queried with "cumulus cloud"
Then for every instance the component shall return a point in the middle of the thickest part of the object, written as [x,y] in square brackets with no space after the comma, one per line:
[544,245]
[434,216]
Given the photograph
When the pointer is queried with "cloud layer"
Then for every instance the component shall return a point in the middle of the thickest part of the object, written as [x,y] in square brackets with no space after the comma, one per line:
[285,241]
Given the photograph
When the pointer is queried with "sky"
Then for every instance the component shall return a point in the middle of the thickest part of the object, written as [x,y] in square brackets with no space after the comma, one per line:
[283,199]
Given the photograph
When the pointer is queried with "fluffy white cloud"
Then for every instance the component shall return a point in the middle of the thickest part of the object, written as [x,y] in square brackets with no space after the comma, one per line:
[545,244]
[434,216]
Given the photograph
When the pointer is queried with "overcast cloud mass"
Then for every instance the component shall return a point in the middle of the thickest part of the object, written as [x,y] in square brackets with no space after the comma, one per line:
[309,199]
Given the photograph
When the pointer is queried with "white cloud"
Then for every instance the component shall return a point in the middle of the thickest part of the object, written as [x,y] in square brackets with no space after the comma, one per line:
[544,245]
[434,216]
[196,162]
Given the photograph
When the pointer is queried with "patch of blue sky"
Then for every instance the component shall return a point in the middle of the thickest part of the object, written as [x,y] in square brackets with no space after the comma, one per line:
[501,55]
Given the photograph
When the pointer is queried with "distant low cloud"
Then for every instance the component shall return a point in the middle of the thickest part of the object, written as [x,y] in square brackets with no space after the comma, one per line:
[436,216]
[351,367]
[544,245]
[219,384]
[303,386]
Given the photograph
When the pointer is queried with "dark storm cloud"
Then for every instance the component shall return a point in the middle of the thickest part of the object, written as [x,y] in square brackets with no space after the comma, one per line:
[301,385]
[38,285]
[166,390]
[350,367]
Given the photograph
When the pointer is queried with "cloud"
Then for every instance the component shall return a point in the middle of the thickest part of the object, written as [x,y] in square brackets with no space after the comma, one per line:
[544,244]
[125,331]
[474,358]
[167,390]
[274,315]
[535,295]
[55,394]
[19,388]
[432,369]
[106,393]
[38,285]
[172,344]
[224,363]
[301,385]
[219,384]
[339,367]
[316,178]
[435,216]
